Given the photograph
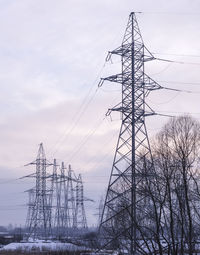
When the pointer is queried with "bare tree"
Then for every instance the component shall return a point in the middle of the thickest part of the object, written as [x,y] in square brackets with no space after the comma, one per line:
[168,219]
[176,157]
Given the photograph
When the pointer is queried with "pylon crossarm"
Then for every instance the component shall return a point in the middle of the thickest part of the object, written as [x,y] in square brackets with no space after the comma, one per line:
[88,199]
[150,84]
[126,49]
[122,50]
[147,114]
[118,109]
[30,175]
[118,78]
[149,56]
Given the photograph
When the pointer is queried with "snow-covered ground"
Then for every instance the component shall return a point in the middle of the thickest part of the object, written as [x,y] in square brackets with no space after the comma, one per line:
[42,246]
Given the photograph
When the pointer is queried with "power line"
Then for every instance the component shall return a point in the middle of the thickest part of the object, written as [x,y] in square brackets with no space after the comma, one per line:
[163,70]
[76,120]
[86,138]
[175,54]
[179,112]
[182,83]
[170,13]
[176,61]
[78,114]
[168,101]
[181,90]
[105,145]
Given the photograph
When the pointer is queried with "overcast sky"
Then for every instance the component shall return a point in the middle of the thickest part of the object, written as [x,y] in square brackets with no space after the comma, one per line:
[52,54]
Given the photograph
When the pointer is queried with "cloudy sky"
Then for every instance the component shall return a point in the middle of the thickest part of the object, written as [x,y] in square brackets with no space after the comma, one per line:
[52,55]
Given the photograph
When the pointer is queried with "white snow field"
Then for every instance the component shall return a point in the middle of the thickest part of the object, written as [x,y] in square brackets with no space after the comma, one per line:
[41,246]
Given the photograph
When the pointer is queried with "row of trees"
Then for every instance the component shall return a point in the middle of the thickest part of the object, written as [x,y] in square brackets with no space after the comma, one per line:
[168,207]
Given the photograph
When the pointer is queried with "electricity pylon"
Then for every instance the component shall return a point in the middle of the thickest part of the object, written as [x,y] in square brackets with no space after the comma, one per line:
[80,216]
[31,197]
[71,198]
[124,201]
[64,212]
[55,200]
[55,210]
[39,223]
[62,219]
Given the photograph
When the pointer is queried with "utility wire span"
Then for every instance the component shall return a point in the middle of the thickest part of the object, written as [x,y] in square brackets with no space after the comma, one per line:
[66,134]
[166,102]
[177,62]
[182,83]
[171,13]
[181,90]
[164,115]
[78,115]
[178,55]
[163,70]
[105,145]
[85,139]
[9,181]
[178,112]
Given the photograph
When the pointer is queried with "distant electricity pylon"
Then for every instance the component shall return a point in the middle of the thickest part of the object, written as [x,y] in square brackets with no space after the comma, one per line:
[65,207]
[31,201]
[71,198]
[61,218]
[80,216]
[39,214]
[124,199]
[57,209]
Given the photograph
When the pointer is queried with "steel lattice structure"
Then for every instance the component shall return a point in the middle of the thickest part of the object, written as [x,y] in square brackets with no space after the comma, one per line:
[124,200]
[56,203]
[39,215]
[31,200]
[80,216]
[71,203]
[60,220]
[63,209]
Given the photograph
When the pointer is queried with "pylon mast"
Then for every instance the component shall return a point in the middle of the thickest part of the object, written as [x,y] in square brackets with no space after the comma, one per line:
[80,216]
[40,214]
[31,197]
[54,211]
[71,198]
[64,205]
[127,175]
[53,196]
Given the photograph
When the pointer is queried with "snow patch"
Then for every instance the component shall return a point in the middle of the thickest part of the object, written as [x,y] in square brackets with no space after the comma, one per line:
[42,246]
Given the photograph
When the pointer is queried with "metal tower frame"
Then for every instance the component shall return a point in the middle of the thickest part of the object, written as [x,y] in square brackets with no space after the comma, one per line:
[124,198]
[53,202]
[80,216]
[54,210]
[31,200]
[65,202]
[71,198]
[64,212]
[39,222]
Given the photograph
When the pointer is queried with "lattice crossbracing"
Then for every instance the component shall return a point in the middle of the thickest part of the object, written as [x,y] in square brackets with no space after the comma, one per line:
[125,200]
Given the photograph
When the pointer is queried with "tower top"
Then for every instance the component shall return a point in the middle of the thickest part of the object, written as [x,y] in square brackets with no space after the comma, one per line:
[41,153]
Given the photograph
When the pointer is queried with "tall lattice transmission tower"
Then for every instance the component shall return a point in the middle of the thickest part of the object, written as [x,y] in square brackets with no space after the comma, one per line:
[56,203]
[31,201]
[80,216]
[126,205]
[71,198]
[39,213]
[60,195]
